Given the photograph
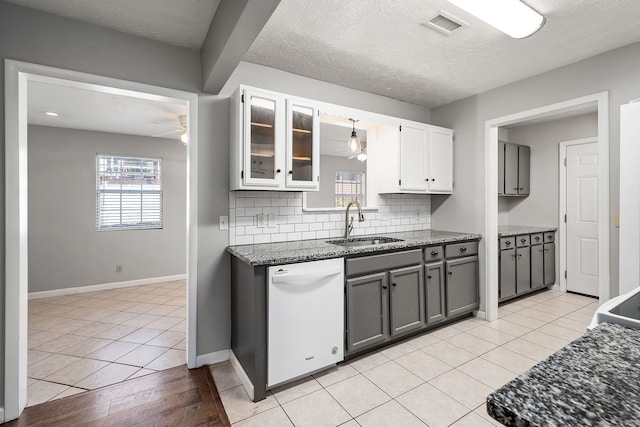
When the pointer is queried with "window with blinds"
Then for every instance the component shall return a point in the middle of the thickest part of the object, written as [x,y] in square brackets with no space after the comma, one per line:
[128,192]
[349,187]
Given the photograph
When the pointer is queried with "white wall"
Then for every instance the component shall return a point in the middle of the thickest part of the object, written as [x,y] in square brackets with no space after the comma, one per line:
[541,207]
[65,250]
[614,71]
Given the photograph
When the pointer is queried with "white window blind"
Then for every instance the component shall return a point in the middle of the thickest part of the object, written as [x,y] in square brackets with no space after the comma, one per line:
[349,187]
[128,192]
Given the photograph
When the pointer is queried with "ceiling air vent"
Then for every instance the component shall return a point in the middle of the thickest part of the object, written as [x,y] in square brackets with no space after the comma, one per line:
[445,23]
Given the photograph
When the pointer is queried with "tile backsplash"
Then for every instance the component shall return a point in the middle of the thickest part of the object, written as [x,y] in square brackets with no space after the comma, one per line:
[395,212]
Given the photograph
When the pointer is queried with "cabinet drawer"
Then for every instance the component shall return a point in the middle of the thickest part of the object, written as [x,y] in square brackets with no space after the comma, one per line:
[507,242]
[433,253]
[522,240]
[461,249]
[373,263]
[549,236]
[537,238]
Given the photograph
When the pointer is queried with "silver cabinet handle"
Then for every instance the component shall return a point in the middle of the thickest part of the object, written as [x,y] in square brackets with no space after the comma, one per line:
[507,243]
[523,240]
[434,253]
[450,273]
[429,277]
[462,249]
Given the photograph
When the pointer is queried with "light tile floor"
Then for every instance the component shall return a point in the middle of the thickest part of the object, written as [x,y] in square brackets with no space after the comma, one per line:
[438,379]
[85,341]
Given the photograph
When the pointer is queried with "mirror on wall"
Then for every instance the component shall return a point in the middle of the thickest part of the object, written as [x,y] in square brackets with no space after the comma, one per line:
[343,169]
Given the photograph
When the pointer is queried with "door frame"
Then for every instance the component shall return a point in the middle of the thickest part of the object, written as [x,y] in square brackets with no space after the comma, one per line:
[601,99]
[17,76]
[562,228]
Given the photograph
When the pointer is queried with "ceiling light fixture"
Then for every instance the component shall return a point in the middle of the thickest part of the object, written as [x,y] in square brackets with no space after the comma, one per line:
[51,113]
[354,142]
[512,17]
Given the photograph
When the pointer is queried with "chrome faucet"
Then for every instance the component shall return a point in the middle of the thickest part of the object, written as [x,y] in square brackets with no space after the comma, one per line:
[348,225]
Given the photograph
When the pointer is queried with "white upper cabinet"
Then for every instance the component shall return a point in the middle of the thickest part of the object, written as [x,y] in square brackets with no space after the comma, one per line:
[417,158]
[303,148]
[274,142]
[440,169]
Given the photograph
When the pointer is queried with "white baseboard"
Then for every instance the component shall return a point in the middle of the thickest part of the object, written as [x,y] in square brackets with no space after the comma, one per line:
[212,358]
[2,420]
[481,315]
[246,382]
[105,286]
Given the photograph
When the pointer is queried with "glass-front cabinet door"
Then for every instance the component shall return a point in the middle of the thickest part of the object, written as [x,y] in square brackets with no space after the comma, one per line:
[303,149]
[262,130]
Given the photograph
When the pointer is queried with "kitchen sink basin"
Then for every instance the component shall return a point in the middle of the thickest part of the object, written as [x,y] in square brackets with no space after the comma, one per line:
[363,241]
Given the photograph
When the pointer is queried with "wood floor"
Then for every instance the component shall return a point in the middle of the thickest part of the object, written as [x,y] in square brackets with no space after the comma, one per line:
[175,397]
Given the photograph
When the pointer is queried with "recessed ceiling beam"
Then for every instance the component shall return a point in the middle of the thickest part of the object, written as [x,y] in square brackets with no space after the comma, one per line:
[235,26]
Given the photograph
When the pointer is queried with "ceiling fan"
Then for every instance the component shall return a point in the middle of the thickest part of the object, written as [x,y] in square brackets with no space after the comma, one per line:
[182,129]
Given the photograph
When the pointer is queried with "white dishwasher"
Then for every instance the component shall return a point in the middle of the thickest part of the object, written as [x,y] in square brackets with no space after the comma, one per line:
[306,318]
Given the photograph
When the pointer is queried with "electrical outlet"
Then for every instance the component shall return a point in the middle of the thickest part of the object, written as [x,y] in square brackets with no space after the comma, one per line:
[118,268]
[224,222]
[261,220]
[271,220]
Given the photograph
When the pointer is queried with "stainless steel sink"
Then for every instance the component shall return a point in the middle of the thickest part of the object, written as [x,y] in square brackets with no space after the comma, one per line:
[363,241]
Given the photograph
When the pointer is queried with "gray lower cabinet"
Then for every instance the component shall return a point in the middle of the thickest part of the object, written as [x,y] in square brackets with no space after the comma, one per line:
[385,295]
[367,311]
[462,285]
[507,273]
[434,283]
[397,293]
[523,270]
[549,263]
[406,299]
[537,267]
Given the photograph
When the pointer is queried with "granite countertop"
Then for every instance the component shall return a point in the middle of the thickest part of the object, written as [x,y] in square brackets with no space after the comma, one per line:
[312,250]
[593,381]
[513,230]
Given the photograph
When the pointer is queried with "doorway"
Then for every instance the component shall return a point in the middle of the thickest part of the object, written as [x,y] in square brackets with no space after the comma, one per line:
[17,77]
[579,228]
[601,100]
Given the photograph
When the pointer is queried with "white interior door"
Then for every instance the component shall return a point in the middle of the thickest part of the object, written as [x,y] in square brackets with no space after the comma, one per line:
[582,218]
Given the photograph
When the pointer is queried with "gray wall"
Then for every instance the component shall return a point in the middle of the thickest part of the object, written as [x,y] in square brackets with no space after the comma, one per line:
[41,38]
[326,197]
[65,250]
[615,71]
[541,207]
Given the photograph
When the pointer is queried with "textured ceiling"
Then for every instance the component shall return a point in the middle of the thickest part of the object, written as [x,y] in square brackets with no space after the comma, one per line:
[99,111]
[178,22]
[383,46]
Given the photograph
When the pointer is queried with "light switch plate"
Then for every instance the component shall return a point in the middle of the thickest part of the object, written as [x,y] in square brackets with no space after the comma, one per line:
[224,222]
[261,220]
[271,220]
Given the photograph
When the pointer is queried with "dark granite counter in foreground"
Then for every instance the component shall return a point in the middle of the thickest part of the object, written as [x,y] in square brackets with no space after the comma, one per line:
[594,381]
[514,230]
[312,250]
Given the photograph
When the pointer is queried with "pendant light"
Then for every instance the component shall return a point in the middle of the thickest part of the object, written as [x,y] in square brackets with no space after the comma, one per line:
[354,142]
